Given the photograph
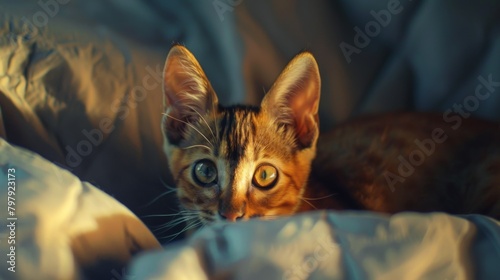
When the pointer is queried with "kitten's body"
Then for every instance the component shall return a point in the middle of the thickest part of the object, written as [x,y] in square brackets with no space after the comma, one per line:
[410,162]
[242,162]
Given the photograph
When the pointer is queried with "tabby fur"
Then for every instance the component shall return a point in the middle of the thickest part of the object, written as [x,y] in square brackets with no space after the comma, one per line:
[239,162]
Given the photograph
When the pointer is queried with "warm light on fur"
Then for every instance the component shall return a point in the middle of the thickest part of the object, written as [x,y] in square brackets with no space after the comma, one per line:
[387,163]
[281,132]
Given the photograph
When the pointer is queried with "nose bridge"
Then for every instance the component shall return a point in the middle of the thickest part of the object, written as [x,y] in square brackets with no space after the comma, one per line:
[231,208]
[233,200]
[227,207]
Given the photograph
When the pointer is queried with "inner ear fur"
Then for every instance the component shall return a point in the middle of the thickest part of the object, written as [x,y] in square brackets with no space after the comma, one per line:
[188,94]
[294,98]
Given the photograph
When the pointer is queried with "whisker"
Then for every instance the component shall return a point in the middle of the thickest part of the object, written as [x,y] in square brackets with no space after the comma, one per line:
[169,191]
[192,126]
[318,198]
[309,203]
[216,126]
[166,185]
[186,228]
[204,120]
[158,197]
[193,225]
[197,146]
[174,223]
[270,217]
[182,214]
[171,224]
[161,215]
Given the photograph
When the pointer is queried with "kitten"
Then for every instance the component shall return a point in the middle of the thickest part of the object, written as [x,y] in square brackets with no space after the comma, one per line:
[239,162]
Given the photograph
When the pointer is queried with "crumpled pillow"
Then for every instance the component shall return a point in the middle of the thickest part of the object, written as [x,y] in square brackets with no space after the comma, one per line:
[65,228]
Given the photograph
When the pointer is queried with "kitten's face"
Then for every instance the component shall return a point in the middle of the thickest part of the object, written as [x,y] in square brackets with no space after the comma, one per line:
[239,162]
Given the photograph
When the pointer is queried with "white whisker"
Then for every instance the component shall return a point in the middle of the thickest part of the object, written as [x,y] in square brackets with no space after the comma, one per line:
[270,217]
[186,228]
[158,197]
[171,224]
[192,126]
[161,215]
[197,146]
[167,186]
[204,120]
[169,191]
[318,198]
[216,124]
[309,203]
[188,217]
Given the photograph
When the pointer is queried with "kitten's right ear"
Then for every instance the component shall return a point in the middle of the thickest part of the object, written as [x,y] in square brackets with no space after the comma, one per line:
[187,92]
[294,98]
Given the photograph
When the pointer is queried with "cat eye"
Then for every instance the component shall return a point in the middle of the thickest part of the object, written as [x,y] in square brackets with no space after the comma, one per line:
[265,176]
[205,172]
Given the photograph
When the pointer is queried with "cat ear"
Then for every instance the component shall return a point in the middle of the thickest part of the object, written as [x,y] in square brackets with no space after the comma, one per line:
[294,98]
[188,94]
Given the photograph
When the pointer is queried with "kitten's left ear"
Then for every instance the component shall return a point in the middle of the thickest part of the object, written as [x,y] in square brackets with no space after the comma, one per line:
[188,94]
[294,98]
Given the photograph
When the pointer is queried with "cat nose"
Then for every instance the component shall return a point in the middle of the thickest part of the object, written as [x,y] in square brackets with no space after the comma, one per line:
[231,216]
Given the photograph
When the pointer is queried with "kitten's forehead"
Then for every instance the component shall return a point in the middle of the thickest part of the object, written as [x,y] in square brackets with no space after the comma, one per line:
[237,130]
[244,128]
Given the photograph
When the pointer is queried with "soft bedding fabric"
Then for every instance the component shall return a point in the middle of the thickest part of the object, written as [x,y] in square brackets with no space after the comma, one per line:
[330,245]
[64,228]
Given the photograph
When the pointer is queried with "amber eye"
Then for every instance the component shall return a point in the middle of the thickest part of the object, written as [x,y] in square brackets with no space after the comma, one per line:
[265,176]
[204,172]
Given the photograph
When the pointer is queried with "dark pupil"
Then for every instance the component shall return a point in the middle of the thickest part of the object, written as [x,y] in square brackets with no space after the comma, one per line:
[263,175]
[205,170]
